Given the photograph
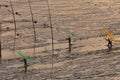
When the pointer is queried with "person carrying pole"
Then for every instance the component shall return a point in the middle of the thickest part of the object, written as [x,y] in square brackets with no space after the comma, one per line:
[109,45]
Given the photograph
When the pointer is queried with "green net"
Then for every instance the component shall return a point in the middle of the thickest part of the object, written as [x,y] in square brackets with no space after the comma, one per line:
[25,56]
[70,33]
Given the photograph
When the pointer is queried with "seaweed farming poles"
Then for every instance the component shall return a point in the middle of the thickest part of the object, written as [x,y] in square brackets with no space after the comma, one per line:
[33,24]
[14,21]
[52,36]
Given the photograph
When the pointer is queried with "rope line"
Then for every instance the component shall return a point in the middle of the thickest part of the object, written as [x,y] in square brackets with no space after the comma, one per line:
[15,25]
[33,24]
[52,36]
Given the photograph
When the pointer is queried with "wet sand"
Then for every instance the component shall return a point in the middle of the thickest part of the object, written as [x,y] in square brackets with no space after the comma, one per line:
[89,58]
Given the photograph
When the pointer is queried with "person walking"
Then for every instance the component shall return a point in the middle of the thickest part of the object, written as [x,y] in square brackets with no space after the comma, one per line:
[109,45]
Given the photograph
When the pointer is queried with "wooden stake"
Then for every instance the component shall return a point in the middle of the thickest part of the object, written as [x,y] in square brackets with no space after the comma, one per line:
[69,42]
[25,65]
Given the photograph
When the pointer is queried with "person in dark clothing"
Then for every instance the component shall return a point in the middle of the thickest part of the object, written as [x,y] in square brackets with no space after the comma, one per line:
[109,43]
